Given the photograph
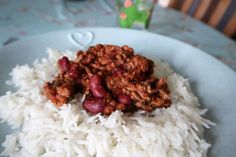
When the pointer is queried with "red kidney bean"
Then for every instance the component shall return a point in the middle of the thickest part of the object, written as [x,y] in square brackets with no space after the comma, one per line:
[94,105]
[64,64]
[142,77]
[118,71]
[124,99]
[74,73]
[95,85]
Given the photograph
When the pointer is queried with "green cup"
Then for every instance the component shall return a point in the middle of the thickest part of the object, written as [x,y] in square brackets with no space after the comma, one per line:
[135,13]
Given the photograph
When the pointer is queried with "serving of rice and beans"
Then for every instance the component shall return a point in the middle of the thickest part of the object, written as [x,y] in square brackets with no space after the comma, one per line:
[106,101]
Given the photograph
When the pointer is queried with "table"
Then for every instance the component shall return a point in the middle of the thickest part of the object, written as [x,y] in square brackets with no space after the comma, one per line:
[31,17]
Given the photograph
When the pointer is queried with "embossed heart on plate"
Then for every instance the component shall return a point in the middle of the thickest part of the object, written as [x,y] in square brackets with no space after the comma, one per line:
[82,39]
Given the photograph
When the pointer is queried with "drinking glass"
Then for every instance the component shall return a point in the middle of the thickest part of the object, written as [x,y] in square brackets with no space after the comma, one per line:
[134,13]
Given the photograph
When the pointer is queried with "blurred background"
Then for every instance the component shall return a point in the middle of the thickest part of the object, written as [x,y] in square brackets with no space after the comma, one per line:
[220,14]
[209,25]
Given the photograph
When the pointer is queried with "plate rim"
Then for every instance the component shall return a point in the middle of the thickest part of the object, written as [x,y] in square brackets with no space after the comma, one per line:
[117,29]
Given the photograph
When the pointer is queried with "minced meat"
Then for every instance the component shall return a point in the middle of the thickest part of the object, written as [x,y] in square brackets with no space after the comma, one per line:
[112,78]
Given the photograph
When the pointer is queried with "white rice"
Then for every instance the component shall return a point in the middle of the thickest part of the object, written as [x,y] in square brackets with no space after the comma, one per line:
[43,130]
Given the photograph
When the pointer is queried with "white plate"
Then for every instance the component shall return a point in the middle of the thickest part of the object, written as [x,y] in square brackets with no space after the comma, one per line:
[212,81]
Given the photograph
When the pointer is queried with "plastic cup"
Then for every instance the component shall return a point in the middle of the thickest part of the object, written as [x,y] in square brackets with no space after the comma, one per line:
[134,13]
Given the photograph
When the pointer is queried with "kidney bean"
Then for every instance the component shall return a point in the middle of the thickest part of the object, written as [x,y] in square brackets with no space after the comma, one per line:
[142,77]
[94,105]
[74,73]
[95,85]
[118,71]
[124,99]
[64,64]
